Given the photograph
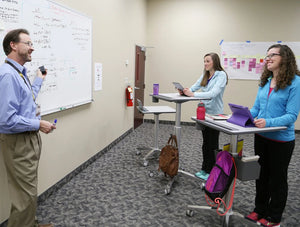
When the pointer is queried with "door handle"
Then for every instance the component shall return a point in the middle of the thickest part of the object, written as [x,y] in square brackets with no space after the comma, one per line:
[136,88]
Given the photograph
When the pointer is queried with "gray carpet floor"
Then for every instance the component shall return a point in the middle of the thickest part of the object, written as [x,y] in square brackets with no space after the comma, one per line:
[117,190]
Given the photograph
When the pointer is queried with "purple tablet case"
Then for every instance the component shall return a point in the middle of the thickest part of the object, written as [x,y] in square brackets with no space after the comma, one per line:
[241,116]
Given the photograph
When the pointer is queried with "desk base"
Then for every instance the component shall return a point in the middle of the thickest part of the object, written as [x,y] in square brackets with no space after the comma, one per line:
[171,180]
[225,223]
[152,150]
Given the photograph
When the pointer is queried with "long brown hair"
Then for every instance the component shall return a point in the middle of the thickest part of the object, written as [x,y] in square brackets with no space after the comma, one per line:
[287,68]
[217,67]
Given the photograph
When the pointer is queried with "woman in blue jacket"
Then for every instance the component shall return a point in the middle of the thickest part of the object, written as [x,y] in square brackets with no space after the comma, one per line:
[277,104]
[212,84]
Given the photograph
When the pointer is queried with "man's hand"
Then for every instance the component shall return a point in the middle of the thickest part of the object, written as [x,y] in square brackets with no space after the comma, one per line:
[46,126]
[39,74]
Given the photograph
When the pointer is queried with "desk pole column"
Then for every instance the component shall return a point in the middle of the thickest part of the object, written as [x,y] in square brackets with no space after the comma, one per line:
[156,123]
[233,144]
[227,197]
[177,127]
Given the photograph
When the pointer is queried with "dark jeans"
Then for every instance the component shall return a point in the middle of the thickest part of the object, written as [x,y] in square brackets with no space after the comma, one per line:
[272,187]
[210,144]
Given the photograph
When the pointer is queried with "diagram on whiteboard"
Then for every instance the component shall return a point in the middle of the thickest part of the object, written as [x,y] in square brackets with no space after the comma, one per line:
[245,60]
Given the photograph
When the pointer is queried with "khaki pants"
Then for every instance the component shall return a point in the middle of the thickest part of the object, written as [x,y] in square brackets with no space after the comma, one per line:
[21,153]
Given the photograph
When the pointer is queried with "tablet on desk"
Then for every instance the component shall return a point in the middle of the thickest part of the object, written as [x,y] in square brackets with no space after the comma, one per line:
[241,116]
[140,104]
[179,87]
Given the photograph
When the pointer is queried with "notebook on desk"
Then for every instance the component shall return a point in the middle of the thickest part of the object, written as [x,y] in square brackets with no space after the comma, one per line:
[141,106]
[241,116]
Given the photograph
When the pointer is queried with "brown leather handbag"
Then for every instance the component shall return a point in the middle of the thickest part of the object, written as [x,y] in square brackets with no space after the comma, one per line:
[169,157]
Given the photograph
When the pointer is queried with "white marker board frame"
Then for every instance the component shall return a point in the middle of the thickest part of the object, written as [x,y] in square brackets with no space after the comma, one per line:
[62,41]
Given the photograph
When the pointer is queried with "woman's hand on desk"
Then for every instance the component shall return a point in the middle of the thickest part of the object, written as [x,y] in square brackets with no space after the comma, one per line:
[180,91]
[260,123]
[188,92]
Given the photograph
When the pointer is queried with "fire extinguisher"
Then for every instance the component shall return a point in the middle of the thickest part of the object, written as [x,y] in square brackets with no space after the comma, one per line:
[129,96]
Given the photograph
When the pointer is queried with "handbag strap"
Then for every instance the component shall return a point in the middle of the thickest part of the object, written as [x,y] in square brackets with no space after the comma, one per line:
[173,140]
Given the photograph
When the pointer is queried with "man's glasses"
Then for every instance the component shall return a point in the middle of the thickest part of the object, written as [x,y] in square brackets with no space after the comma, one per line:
[30,44]
[271,56]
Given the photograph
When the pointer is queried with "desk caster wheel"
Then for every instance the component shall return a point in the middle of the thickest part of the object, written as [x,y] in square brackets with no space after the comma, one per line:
[202,186]
[145,163]
[190,213]
[167,191]
[151,174]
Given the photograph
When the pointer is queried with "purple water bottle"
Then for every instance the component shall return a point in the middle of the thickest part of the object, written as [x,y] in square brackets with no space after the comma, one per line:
[155,89]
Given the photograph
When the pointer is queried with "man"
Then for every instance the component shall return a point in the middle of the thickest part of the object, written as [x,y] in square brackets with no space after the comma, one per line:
[20,123]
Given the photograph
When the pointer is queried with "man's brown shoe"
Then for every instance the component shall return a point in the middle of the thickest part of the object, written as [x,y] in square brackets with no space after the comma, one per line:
[46,225]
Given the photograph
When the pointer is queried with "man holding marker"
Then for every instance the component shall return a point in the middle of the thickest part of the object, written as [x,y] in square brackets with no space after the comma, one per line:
[20,123]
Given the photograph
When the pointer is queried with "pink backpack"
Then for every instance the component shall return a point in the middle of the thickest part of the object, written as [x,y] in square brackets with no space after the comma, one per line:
[220,179]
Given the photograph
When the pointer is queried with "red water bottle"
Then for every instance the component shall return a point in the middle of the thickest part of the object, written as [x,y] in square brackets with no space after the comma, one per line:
[201,111]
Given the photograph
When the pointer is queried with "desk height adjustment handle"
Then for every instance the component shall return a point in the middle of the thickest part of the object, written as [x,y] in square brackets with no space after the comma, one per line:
[155,99]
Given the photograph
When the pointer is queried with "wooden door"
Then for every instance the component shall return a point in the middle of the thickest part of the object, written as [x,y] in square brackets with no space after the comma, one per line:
[139,87]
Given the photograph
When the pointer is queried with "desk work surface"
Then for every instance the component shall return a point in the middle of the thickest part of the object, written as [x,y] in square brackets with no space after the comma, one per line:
[229,128]
[157,109]
[176,97]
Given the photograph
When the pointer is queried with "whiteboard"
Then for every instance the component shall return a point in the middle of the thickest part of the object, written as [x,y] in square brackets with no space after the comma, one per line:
[62,41]
[245,60]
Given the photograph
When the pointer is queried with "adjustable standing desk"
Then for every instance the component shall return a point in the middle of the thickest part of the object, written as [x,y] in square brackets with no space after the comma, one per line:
[156,110]
[178,99]
[233,130]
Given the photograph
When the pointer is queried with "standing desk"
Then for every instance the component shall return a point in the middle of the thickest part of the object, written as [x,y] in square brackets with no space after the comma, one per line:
[178,99]
[156,110]
[232,130]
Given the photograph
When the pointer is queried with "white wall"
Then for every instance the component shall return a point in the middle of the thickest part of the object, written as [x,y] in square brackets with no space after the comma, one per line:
[182,32]
[118,25]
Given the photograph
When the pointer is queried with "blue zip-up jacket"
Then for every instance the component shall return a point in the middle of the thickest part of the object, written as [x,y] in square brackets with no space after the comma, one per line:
[214,90]
[281,108]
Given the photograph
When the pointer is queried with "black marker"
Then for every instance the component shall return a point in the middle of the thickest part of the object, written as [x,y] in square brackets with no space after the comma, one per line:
[43,70]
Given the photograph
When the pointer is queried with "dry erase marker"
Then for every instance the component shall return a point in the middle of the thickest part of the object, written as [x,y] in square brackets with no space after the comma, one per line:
[43,70]
[55,121]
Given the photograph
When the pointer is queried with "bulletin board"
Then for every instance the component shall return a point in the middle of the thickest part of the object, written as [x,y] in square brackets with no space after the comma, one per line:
[245,60]
[62,41]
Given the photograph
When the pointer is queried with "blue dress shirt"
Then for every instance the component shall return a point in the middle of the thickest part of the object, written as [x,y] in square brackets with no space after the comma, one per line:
[17,106]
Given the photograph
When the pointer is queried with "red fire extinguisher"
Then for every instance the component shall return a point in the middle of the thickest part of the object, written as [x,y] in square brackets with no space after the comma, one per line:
[129,96]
